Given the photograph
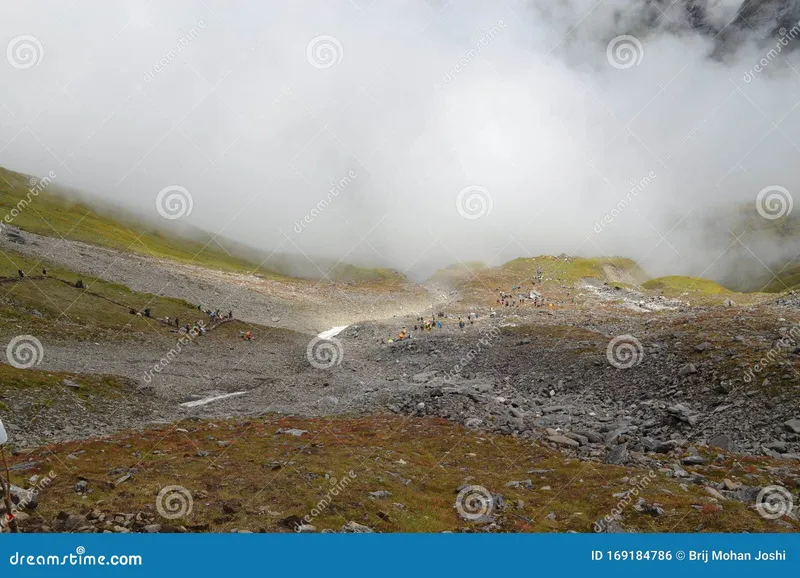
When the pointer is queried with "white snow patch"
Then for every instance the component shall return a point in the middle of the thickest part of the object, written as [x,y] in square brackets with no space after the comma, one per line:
[332,332]
[210,399]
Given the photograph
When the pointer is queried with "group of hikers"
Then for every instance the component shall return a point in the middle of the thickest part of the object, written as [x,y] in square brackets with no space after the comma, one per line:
[435,322]
[507,300]
[21,273]
[215,314]
[198,327]
[510,300]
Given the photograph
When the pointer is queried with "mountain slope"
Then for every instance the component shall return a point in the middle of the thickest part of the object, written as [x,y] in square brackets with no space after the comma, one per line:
[40,206]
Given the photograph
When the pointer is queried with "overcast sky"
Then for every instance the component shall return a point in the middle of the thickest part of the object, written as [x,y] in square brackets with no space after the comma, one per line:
[467,130]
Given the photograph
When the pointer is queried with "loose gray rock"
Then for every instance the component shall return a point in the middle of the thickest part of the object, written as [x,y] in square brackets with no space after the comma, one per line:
[352,527]
[722,442]
[793,425]
[619,455]
[693,460]
[292,432]
[563,441]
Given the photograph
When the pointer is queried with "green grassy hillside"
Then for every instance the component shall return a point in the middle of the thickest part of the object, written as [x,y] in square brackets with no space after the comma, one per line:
[55,306]
[677,285]
[53,213]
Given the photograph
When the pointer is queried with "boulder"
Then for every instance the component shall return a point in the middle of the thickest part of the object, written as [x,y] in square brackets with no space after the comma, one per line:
[722,442]
[618,455]
[563,441]
[793,425]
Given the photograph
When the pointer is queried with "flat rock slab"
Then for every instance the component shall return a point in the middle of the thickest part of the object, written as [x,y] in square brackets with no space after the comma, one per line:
[563,441]
[793,425]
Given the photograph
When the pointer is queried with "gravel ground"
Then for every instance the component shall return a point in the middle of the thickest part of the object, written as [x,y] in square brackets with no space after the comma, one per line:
[531,372]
